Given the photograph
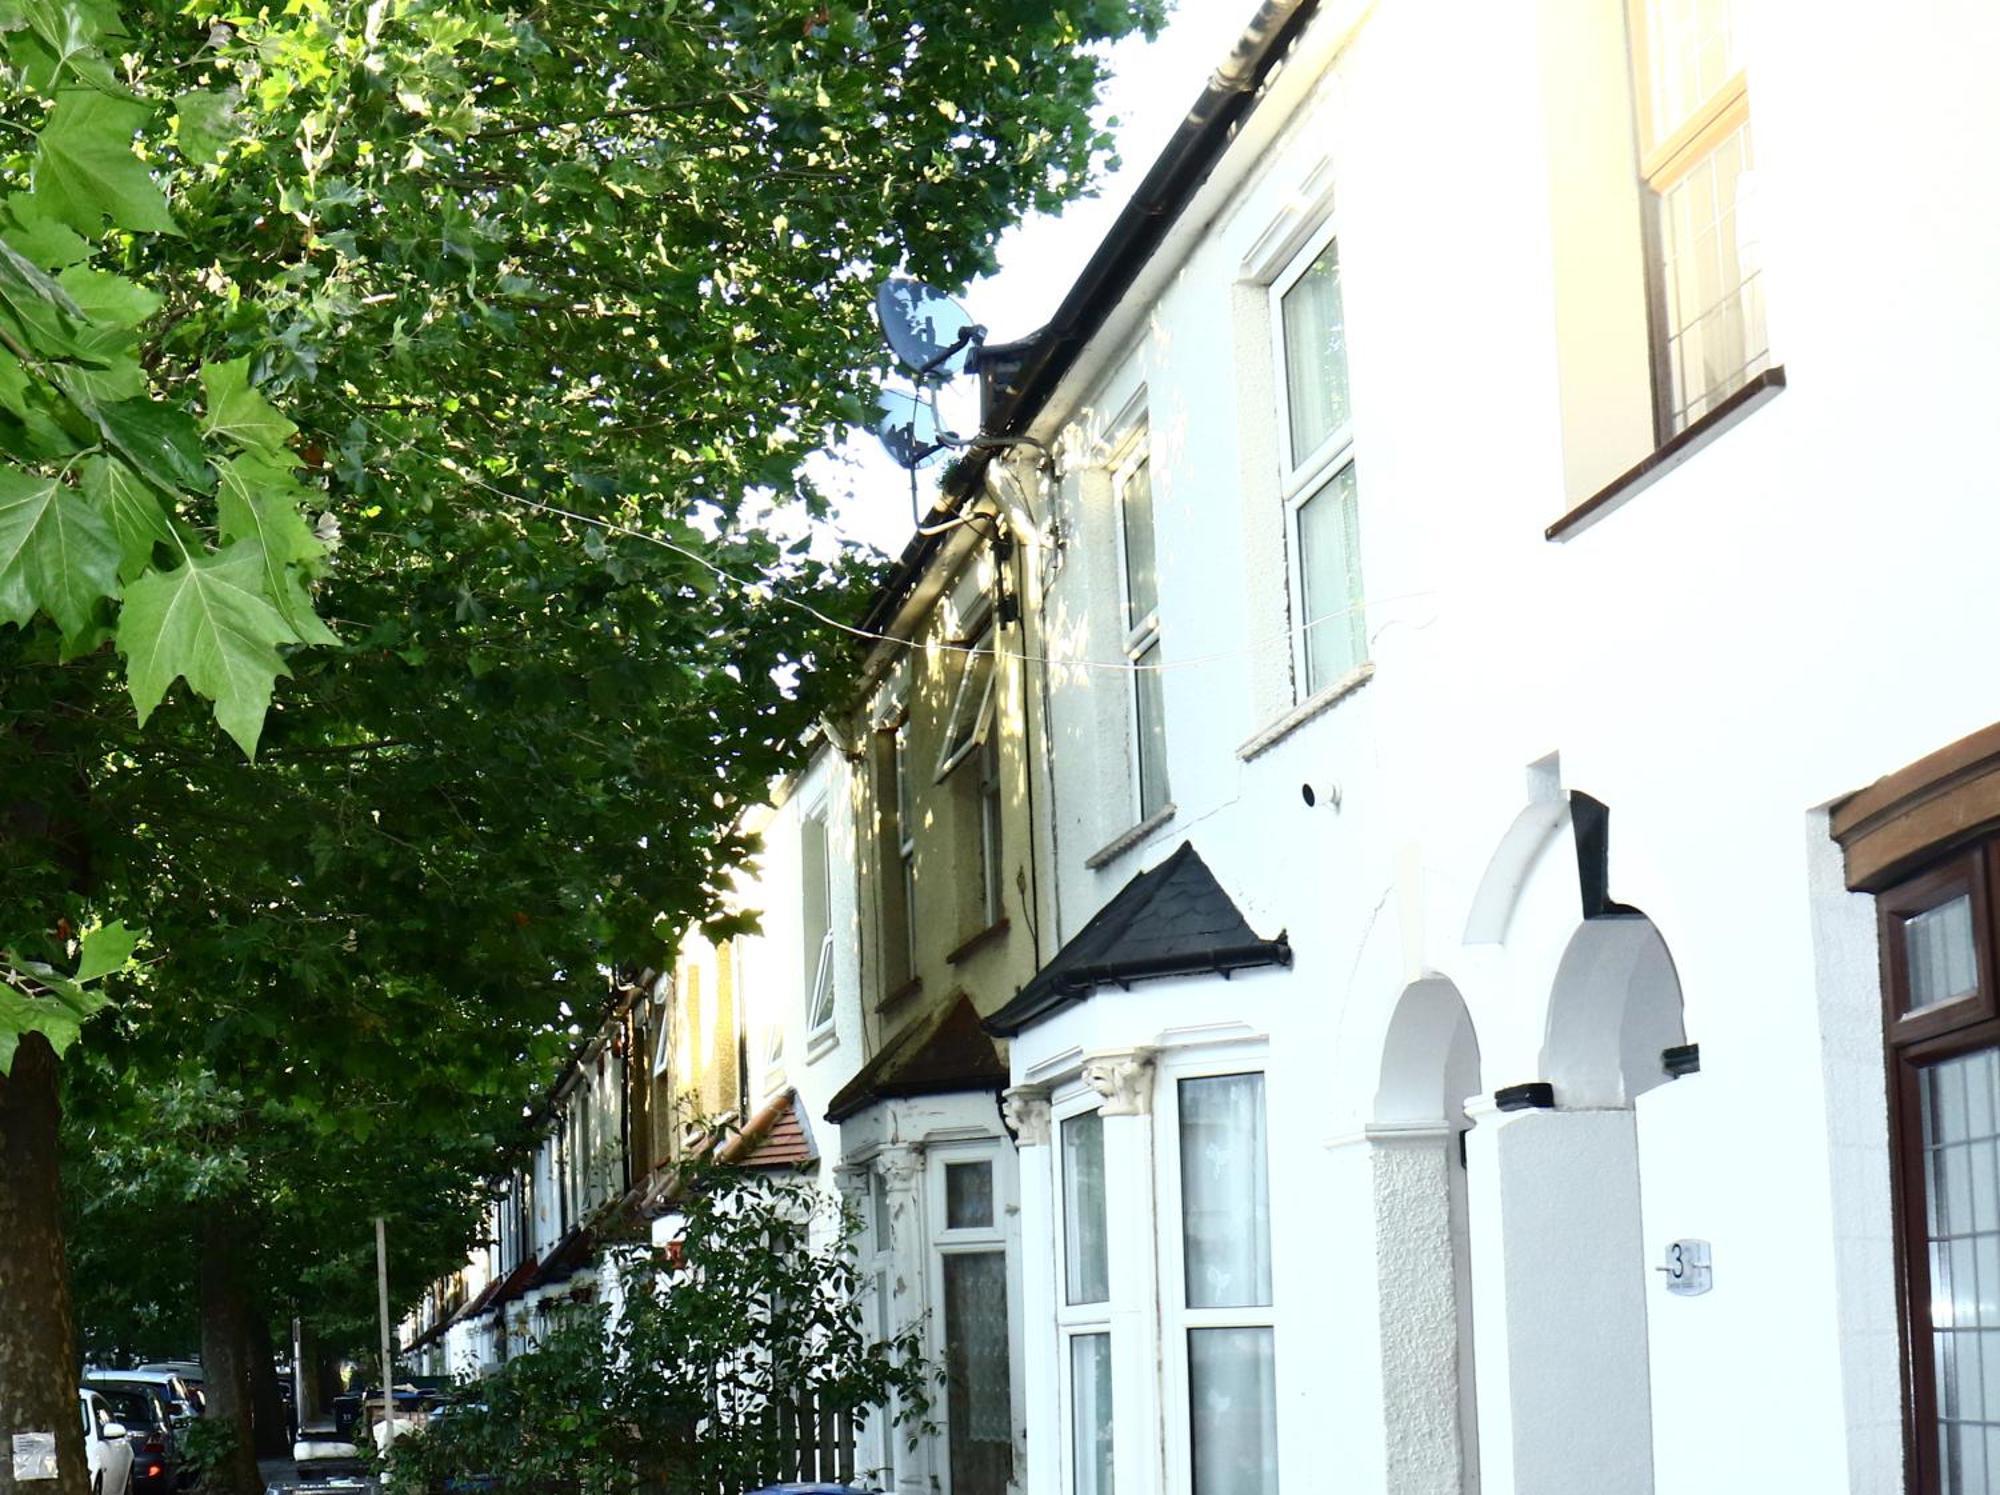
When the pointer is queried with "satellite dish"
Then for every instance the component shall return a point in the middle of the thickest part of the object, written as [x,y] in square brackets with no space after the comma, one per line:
[927,329]
[909,429]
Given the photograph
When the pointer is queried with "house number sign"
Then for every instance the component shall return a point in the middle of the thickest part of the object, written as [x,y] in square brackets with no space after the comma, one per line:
[34,1456]
[1687,1268]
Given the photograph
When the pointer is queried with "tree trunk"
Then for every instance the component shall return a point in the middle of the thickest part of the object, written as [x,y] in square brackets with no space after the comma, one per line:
[225,1351]
[38,1367]
[267,1401]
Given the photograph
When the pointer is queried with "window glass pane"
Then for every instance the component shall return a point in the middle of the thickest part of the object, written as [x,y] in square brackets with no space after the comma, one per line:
[816,905]
[1960,1099]
[968,707]
[1233,1408]
[1691,51]
[1714,303]
[968,1196]
[1086,1251]
[1315,355]
[1943,961]
[1090,1413]
[878,1190]
[1142,585]
[978,1412]
[1150,694]
[1329,542]
[1225,1195]
[989,828]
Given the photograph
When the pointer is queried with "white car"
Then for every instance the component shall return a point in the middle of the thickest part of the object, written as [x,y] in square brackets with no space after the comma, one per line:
[107,1453]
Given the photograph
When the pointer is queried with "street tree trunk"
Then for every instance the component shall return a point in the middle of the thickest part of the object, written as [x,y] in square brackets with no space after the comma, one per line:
[225,1351]
[38,1365]
[266,1400]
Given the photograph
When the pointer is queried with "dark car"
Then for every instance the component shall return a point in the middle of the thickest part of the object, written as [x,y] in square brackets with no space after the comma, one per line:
[143,1408]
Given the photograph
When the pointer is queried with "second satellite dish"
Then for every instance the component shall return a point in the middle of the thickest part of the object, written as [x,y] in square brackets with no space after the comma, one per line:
[908,427]
[927,329]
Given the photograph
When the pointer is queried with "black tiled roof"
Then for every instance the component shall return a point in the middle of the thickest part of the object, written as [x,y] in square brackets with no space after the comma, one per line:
[1174,920]
[941,1054]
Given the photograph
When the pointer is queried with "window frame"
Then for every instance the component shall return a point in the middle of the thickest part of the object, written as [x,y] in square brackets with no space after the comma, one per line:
[1912,1043]
[1075,1320]
[992,812]
[821,981]
[1177,1319]
[1300,481]
[1141,635]
[1665,161]
[976,638]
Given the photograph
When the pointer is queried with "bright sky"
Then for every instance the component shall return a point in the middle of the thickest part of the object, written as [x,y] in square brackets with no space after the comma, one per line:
[1151,88]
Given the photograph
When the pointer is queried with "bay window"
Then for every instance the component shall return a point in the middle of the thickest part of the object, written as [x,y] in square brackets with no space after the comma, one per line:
[1218,1330]
[1083,1310]
[1318,469]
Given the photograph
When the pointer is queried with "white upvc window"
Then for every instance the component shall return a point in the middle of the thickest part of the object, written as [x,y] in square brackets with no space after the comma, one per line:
[1694,133]
[816,920]
[1309,333]
[1083,1303]
[1138,562]
[1217,1318]
[971,719]
[970,1202]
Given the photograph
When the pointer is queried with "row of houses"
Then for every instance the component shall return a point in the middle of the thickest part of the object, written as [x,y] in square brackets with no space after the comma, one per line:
[1407,901]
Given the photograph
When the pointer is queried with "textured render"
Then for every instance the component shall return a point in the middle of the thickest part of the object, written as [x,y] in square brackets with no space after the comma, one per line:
[1419,1312]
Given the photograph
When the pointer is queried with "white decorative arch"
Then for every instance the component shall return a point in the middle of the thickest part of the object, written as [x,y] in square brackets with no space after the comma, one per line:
[1615,1004]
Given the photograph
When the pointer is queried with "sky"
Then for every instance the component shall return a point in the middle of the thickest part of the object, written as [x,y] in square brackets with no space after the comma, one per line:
[1152,87]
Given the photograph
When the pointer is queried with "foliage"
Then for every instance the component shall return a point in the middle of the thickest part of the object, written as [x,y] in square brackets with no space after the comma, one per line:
[207,1447]
[676,1389]
[481,341]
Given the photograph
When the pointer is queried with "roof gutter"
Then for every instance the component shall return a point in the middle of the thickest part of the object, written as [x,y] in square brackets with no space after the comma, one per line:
[1072,986]
[1022,376]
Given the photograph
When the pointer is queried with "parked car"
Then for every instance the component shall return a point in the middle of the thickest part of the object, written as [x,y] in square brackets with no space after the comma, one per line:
[191,1376]
[107,1454]
[144,1407]
[183,1402]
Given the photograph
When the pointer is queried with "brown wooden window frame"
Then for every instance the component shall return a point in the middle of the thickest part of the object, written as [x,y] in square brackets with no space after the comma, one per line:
[1915,1041]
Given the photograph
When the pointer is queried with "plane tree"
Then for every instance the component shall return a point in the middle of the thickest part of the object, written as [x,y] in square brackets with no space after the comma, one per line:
[391,397]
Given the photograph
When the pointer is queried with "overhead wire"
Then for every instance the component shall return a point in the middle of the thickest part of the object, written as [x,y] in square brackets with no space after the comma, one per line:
[762,587]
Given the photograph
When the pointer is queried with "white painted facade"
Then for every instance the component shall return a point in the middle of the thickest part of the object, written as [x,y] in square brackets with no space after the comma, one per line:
[1798,609]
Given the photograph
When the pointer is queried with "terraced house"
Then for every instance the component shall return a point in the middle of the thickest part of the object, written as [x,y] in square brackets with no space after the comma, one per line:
[1408,900]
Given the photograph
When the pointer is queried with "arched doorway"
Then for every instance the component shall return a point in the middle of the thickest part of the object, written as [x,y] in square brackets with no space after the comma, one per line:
[1430,1065]
[1560,1256]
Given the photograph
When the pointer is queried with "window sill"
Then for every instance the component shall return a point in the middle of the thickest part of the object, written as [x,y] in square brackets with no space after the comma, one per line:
[979,941]
[1305,711]
[822,1043]
[1638,479]
[1105,855]
[901,994]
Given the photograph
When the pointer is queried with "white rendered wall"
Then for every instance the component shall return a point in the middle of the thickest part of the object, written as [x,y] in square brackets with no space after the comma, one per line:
[1802,607]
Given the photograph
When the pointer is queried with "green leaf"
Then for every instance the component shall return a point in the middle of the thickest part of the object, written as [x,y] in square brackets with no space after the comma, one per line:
[57,553]
[258,502]
[210,623]
[40,238]
[206,124]
[107,299]
[135,513]
[238,413]
[85,172]
[161,442]
[21,1014]
[106,948]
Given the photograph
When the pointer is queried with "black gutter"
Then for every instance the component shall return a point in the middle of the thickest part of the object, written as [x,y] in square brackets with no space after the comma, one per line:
[1073,985]
[1034,367]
